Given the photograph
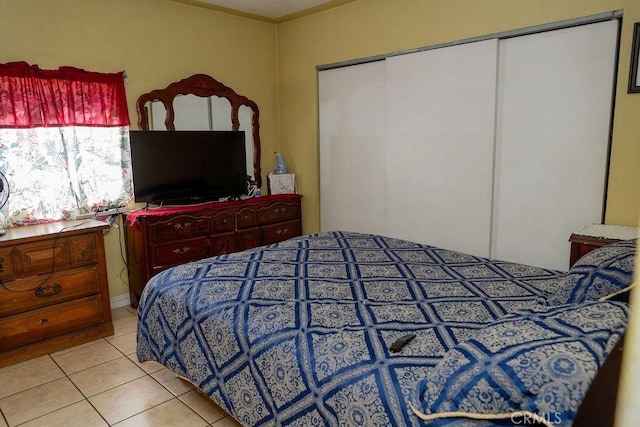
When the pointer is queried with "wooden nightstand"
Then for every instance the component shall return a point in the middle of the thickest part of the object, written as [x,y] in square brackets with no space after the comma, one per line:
[590,237]
[54,292]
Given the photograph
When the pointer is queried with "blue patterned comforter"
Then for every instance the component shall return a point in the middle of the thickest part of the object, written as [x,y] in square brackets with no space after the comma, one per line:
[298,333]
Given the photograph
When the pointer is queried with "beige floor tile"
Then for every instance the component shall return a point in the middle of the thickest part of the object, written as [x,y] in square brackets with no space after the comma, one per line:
[149,367]
[203,406]
[35,402]
[108,375]
[129,399]
[78,414]
[126,343]
[120,313]
[132,310]
[175,385]
[124,325]
[27,375]
[227,422]
[67,350]
[26,362]
[170,414]
[84,357]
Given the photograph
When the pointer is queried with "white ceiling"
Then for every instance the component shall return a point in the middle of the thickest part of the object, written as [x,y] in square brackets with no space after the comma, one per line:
[271,9]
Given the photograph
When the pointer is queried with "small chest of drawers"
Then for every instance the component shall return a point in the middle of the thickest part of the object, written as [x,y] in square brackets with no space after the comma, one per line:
[161,238]
[53,288]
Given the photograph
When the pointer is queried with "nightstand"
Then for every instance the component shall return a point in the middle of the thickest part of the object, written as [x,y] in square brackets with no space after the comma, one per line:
[590,237]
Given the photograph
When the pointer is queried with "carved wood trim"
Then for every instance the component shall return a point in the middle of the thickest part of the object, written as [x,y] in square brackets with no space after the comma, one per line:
[204,86]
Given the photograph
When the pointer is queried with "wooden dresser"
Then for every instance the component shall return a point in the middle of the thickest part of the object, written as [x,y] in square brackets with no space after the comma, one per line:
[161,238]
[53,292]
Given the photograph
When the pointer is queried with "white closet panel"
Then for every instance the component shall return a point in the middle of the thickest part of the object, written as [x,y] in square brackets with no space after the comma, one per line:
[352,147]
[553,122]
[440,136]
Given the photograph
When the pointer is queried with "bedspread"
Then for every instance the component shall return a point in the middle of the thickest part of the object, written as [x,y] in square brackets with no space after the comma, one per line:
[298,333]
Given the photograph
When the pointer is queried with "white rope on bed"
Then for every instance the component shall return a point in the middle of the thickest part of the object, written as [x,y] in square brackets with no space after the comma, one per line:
[621,291]
[511,416]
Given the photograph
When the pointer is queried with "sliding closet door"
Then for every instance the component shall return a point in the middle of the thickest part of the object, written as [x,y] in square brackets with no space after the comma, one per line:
[352,148]
[440,136]
[553,119]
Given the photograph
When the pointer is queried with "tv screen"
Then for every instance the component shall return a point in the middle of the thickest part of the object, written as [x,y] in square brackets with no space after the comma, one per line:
[187,166]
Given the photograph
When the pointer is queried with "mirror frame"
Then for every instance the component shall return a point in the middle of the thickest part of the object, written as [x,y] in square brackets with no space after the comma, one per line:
[204,86]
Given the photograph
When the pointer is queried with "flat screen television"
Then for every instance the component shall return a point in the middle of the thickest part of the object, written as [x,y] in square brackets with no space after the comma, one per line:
[187,166]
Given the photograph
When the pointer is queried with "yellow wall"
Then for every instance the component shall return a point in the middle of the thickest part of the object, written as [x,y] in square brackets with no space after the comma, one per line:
[372,27]
[157,42]
[161,41]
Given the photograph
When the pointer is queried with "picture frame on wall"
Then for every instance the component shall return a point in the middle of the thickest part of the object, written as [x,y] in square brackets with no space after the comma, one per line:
[634,71]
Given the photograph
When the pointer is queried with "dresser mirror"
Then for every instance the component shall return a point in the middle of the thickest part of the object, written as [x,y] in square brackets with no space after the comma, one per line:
[200,102]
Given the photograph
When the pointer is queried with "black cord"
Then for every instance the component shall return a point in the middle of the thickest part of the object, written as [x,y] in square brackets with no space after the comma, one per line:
[53,261]
[120,231]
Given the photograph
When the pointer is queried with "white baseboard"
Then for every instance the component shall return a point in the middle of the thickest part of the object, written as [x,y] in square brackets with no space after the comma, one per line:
[120,301]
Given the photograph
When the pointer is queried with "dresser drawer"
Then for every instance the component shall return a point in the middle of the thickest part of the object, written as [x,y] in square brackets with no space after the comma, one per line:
[180,252]
[278,212]
[37,325]
[7,272]
[223,222]
[83,250]
[223,243]
[30,293]
[247,239]
[246,218]
[179,227]
[279,232]
[39,257]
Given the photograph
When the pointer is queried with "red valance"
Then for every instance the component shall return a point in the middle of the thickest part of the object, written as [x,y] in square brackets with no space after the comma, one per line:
[31,97]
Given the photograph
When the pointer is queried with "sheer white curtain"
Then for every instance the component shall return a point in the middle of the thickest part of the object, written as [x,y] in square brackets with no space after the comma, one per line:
[56,173]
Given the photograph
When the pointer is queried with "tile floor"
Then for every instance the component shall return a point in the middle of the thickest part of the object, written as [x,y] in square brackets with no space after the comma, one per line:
[102,384]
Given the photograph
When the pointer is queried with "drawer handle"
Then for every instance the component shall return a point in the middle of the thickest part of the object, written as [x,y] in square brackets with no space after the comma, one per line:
[48,291]
[43,321]
[182,251]
[283,231]
[181,226]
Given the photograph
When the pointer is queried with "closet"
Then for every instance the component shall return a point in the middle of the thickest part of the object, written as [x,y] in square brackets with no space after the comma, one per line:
[496,147]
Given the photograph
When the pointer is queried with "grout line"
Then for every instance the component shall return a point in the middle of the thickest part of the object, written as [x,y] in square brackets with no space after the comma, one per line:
[86,398]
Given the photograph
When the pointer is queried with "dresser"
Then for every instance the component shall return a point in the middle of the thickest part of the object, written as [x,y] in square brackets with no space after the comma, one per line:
[157,239]
[53,291]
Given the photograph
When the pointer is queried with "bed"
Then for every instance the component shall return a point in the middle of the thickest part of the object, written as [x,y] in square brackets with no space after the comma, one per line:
[300,332]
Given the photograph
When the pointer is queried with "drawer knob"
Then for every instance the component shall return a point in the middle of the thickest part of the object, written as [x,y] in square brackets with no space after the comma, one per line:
[48,290]
[283,231]
[43,321]
[182,251]
[182,226]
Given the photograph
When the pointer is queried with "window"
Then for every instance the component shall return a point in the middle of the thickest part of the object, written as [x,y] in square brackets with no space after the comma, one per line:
[64,142]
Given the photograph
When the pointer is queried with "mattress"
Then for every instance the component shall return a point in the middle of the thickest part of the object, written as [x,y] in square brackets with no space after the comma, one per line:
[299,332]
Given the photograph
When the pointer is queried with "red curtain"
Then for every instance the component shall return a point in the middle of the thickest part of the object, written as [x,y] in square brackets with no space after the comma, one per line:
[31,97]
